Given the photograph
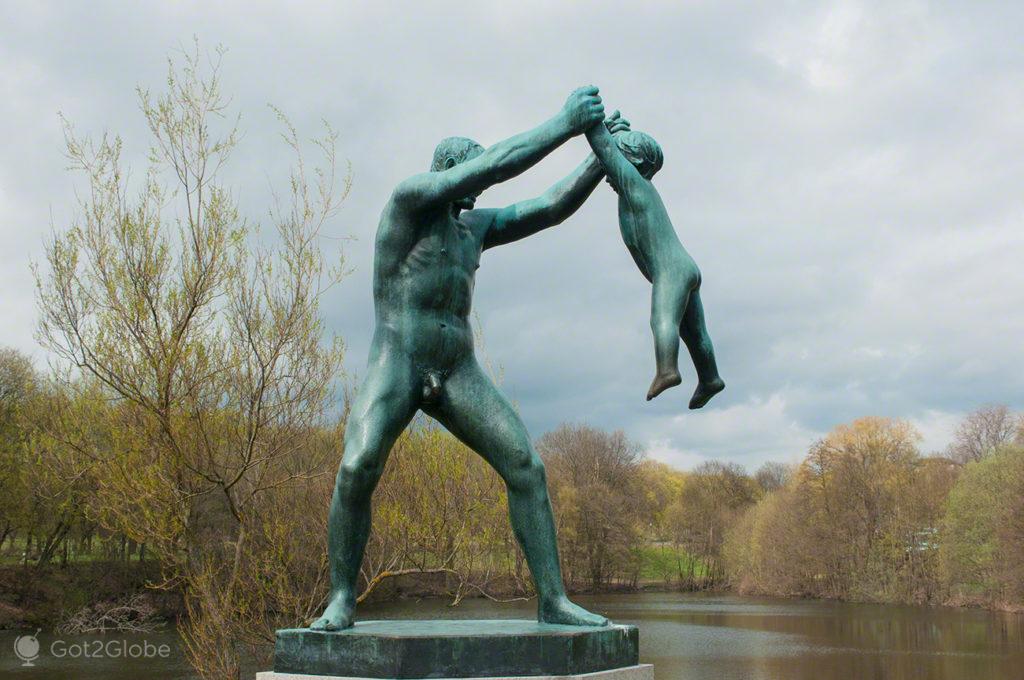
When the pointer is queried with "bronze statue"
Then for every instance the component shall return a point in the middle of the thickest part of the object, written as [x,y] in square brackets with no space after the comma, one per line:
[630,159]
[428,249]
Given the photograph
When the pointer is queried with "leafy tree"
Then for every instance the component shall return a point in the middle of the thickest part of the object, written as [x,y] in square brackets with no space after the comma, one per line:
[981,549]
[859,519]
[17,382]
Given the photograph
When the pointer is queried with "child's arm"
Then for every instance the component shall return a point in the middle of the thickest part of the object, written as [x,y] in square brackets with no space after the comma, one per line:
[621,173]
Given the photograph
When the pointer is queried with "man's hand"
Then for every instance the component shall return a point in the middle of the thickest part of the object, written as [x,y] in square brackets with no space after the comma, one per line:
[616,123]
[582,109]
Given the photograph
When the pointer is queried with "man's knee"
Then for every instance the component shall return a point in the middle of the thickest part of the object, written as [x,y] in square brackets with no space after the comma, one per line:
[526,471]
[357,476]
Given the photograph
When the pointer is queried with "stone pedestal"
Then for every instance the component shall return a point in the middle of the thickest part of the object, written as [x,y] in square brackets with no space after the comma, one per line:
[400,650]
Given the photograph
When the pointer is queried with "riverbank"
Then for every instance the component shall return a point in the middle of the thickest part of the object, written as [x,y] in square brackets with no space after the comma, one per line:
[32,597]
[44,597]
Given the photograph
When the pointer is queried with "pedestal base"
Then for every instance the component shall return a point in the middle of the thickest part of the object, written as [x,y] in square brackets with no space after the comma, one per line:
[640,672]
[471,649]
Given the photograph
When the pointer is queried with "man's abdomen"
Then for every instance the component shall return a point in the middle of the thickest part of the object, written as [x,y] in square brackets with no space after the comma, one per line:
[434,339]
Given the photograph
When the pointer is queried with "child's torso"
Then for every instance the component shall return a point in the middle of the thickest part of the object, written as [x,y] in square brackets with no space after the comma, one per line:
[648,233]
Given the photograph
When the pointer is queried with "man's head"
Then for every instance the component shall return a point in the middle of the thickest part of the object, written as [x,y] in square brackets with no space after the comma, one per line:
[449,153]
[641,150]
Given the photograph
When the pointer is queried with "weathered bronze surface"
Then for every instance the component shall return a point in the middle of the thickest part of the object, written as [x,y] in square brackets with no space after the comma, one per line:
[631,158]
[428,248]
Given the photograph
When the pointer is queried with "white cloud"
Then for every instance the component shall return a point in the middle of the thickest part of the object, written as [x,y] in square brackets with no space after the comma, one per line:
[749,433]
[936,429]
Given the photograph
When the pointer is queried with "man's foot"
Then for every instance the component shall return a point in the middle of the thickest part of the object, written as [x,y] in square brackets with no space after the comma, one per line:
[662,382]
[705,391]
[568,614]
[339,614]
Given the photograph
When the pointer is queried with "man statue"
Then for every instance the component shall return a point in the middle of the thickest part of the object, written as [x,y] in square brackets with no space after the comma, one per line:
[428,249]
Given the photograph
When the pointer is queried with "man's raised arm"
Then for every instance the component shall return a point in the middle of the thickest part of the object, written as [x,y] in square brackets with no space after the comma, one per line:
[506,159]
[554,206]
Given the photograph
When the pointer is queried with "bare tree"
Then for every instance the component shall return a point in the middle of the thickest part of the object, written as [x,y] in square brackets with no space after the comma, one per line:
[714,495]
[984,431]
[772,476]
[595,480]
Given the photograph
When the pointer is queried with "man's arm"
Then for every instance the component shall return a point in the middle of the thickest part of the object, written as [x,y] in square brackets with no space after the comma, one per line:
[506,159]
[553,207]
[621,173]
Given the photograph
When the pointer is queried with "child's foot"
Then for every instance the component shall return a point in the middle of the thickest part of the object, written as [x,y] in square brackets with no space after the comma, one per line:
[705,391]
[662,382]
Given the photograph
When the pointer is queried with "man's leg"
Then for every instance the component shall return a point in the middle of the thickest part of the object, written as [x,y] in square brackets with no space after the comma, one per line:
[695,334]
[383,407]
[668,300]
[473,409]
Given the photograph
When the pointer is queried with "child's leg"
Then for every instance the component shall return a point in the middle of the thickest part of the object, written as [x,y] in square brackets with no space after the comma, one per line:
[668,300]
[695,334]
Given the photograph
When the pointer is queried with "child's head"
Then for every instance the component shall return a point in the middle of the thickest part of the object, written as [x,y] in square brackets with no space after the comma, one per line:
[641,150]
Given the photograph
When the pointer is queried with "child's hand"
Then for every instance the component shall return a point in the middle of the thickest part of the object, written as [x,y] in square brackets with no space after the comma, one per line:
[616,123]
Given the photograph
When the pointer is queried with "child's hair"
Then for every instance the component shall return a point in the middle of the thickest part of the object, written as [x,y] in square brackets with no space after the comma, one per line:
[641,150]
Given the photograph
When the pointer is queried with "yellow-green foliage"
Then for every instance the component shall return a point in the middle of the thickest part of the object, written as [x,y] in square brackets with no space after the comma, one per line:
[859,520]
[981,539]
[198,377]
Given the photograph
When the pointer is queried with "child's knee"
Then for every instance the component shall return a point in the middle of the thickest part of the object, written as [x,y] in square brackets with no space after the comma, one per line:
[691,278]
[665,327]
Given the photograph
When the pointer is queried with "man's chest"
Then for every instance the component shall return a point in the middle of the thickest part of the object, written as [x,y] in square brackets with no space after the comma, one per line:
[449,245]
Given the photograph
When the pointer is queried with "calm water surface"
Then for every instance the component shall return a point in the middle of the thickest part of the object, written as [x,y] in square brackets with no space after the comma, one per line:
[688,637]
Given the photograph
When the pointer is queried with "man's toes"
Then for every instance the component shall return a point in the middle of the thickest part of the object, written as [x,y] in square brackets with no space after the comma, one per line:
[323,623]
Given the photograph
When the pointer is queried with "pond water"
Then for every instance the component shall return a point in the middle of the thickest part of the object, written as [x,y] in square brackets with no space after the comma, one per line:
[685,636]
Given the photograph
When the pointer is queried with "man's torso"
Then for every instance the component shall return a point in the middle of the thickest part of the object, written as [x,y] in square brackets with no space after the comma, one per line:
[424,272]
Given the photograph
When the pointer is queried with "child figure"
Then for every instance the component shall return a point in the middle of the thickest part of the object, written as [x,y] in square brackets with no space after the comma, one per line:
[630,159]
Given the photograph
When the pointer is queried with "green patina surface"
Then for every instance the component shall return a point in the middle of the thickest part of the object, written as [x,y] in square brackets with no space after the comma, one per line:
[427,250]
[454,649]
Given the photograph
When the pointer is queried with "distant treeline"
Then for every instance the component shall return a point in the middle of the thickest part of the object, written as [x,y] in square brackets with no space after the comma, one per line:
[866,517]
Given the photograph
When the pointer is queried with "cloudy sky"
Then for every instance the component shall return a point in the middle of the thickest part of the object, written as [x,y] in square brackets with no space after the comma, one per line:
[848,175]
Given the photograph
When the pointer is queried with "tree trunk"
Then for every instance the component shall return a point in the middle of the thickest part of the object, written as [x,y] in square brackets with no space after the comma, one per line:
[53,541]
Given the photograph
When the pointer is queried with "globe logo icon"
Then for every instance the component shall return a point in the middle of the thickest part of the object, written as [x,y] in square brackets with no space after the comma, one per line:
[26,648]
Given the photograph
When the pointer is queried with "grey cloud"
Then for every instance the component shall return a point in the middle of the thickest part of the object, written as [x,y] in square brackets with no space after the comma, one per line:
[846,174]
